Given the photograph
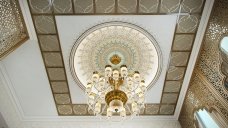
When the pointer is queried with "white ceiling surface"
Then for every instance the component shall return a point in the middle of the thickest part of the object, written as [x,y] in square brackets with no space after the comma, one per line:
[24,71]
[160,26]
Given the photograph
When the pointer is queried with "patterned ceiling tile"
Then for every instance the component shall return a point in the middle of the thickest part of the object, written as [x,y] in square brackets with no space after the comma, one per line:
[127,6]
[49,42]
[59,87]
[148,6]
[192,6]
[151,109]
[56,73]
[44,24]
[65,109]
[53,59]
[169,6]
[80,109]
[105,6]
[179,58]
[175,73]
[40,6]
[188,24]
[172,86]
[169,98]
[62,98]
[62,6]
[183,42]
[83,6]
[167,109]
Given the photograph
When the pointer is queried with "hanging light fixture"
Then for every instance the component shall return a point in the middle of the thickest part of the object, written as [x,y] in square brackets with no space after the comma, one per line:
[116,91]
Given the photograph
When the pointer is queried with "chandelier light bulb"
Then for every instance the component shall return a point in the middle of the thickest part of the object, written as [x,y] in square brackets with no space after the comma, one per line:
[143,86]
[95,77]
[97,108]
[108,71]
[88,88]
[137,77]
[123,70]
[115,74]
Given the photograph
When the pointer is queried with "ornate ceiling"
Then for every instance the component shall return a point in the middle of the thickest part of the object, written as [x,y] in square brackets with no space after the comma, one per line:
[115,44]
[133,45]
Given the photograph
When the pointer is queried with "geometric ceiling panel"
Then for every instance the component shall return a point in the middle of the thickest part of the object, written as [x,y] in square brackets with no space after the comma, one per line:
[83,6]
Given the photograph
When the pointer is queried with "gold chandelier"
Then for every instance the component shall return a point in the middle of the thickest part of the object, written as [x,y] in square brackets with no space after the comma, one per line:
[115,91]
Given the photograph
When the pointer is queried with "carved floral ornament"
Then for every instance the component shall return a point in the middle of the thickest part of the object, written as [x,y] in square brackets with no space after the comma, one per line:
[115,44]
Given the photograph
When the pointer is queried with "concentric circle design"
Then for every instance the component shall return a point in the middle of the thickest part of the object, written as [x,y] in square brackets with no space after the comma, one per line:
[135,47]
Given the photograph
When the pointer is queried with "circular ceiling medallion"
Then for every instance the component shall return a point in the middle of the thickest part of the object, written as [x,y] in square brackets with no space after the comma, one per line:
[115,44]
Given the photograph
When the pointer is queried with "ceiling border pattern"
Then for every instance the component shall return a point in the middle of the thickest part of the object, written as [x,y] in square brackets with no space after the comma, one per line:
[43,16]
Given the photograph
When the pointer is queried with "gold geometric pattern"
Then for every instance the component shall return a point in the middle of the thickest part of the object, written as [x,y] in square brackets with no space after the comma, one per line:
[148,6]
[56,73]
[169,6]
[166,109]
[62,6]
[12,27]
[40,6]
[80,109]
[183,42]
[127,6]
[105,6]
[172,86]
[44,24]
[179,58]
[49,43]
[59,87]
[65,109]
[192,6]
[43,14]
[169,98]
[62,98]
[53,59]
[83,6]
[175,73]
[151,109]
[188,24]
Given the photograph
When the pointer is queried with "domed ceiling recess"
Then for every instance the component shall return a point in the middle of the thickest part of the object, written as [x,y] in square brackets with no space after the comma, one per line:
[115,44]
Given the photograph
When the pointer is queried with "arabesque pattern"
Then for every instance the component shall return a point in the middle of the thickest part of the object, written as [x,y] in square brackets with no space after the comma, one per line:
[12,27]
